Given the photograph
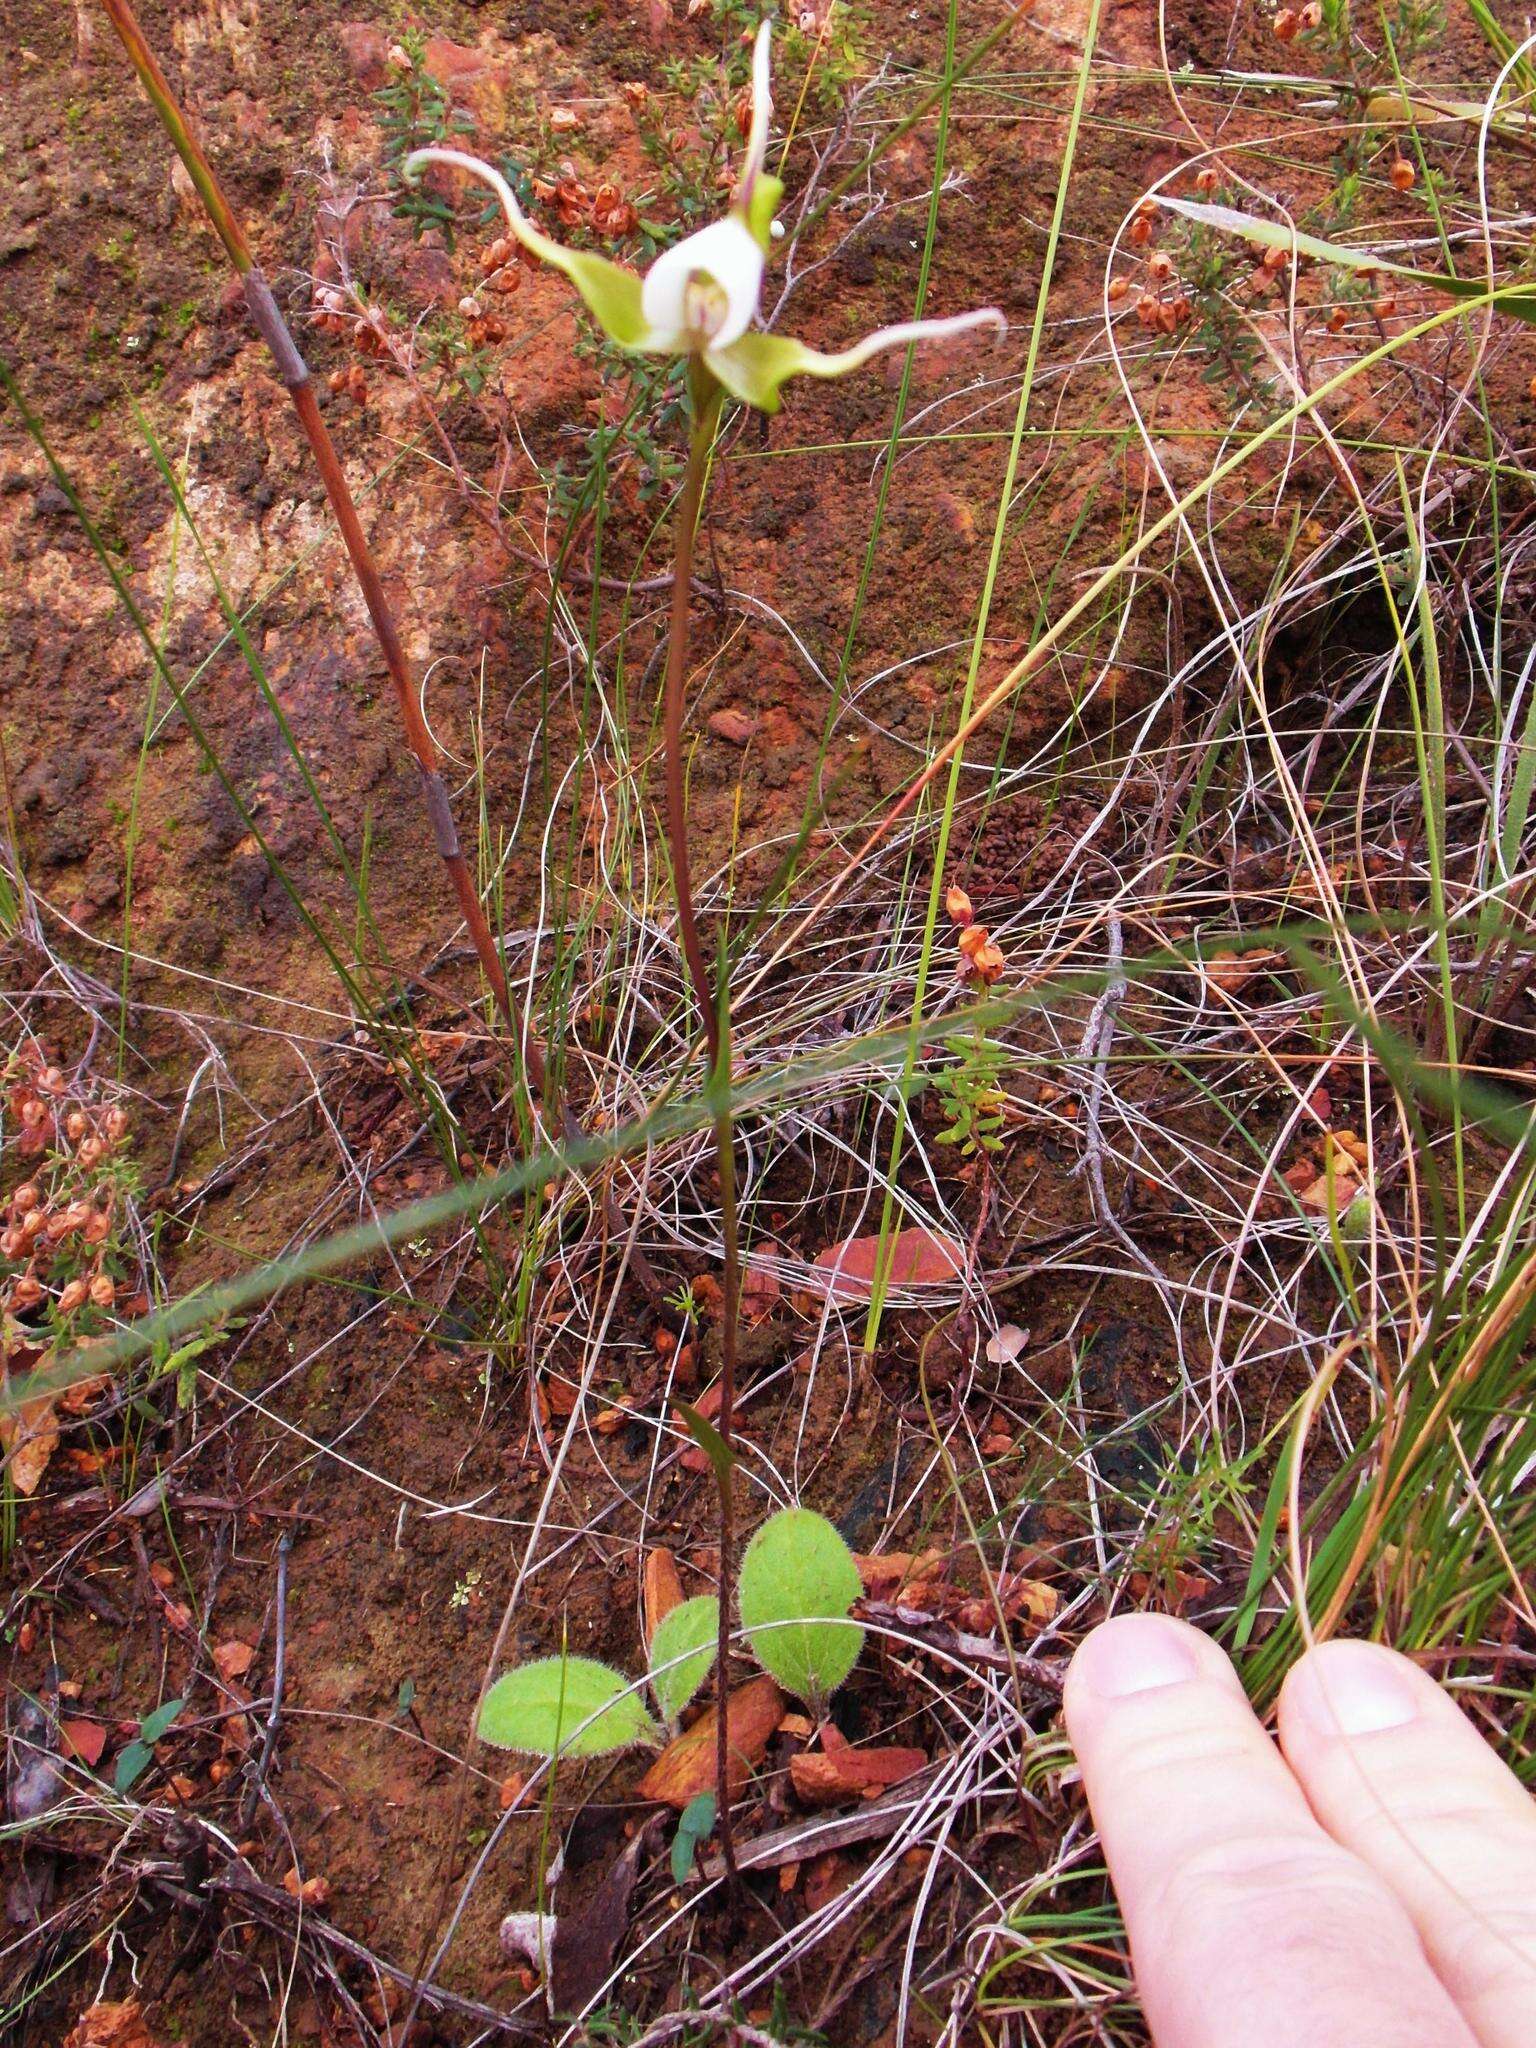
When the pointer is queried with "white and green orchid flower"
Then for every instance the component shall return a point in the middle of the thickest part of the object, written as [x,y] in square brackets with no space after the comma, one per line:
[700,297]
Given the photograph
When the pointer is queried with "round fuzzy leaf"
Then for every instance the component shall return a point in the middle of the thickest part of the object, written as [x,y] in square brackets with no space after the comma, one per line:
[566,1706]
[689,1632]
[798,1581]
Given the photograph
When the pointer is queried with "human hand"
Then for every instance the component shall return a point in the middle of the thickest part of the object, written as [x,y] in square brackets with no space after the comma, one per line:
[1371,1883]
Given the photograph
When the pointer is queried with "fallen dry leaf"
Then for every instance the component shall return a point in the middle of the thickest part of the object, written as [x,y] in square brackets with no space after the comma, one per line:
[887,1573]
[232,1659]
[1033,1597]
[760,1293]
[83,1739]
[663,1590]
[918,1258]
[29,1439]
[829,1776]
[686,1767]
[111,2023]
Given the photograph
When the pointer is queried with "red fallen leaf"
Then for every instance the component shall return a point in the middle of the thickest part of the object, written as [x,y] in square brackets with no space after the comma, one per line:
[663,1590]
[918,1258]
[686,1767]
[83,1739]
[760,1292]
[841,1771]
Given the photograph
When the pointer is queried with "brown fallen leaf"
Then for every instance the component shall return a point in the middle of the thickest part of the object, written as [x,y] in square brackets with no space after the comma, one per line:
[29,1439]
[232,1659]
[1031,1597]
[884,1573]
[918,1258]
[83,1739]
[686,1767]
[111,2023]
[663,1590]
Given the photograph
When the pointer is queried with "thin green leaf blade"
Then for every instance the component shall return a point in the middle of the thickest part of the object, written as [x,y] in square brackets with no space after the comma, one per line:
[1519,300]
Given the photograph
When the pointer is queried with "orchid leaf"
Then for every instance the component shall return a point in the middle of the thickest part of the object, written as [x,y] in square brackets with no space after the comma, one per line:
[563,1706]
[1518,299]
[682,1651]
[798,1583]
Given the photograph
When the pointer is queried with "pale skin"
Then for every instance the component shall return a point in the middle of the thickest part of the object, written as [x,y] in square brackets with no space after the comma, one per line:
[1368,1881]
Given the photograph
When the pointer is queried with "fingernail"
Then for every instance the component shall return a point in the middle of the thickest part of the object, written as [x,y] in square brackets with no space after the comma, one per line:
[1136,1653]
[1353,1689]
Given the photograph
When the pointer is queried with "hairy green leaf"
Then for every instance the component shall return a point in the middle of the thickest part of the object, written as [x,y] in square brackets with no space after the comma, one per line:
[690,1633]
[798,1581]
[565,1706]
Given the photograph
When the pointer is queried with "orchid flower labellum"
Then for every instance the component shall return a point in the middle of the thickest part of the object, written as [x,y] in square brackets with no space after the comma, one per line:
[700,297]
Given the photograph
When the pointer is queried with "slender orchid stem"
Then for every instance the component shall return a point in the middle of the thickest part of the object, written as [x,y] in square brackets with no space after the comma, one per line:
[715,1014]
[294,371]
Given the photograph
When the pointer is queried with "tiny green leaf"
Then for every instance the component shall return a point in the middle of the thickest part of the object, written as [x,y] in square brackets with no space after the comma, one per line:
[798,1581]
[563,1706]
[693,1826]
[690,1632]
[132,1761]
[154,1725]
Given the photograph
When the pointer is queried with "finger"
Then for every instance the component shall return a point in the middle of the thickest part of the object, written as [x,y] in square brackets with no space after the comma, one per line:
[1249,1926]
[1396,1773]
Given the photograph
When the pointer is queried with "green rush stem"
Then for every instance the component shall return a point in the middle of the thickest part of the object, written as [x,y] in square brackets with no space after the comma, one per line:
[294,371]
[715,1010]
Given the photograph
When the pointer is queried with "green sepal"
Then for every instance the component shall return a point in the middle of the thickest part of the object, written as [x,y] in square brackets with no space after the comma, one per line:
[760,209]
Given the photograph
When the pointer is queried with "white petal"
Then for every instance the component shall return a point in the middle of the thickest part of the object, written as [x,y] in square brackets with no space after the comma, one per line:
[726,257]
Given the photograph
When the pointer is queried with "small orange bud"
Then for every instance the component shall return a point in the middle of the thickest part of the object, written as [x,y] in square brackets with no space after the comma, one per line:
[1286,23]
[1311,16]
[957,905]
[1384,307]
[75,1125]
[1118,287]
[1141,231]
[1207,178]
[26,1197]
[1401,173]
[635,93]
[103,1291]
[972,939]
[1160,266]
[74,1296]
